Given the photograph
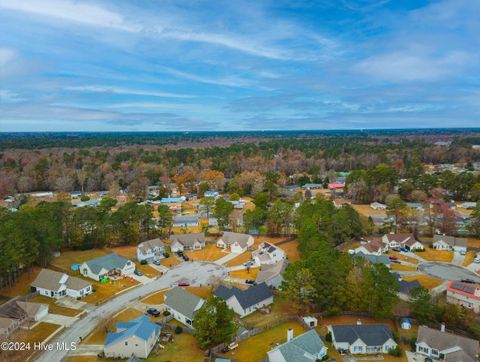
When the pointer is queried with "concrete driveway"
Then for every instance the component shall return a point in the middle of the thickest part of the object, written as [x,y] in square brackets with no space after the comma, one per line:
[226,258]
[458,258]
[59,319]
[142,279]
[447,271]
[197,273]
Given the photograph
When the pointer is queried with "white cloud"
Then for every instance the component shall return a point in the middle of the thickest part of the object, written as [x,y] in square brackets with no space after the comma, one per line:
[78,12]
[120,90]
[230,81]
[6,56]
[7,96]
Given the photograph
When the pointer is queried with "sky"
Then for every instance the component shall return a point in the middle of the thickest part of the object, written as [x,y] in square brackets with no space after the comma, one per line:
[228,65]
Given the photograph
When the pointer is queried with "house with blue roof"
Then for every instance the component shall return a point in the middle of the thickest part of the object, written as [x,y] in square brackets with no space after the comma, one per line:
[136,337]
[307,347]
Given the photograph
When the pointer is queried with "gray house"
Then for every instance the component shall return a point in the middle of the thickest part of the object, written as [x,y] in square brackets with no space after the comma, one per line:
[307,347]
[150,250]
[272,274]
[362,338]
[181,242]
[440,345]
[111,265]
[445,242]
[183,305]
[245,302]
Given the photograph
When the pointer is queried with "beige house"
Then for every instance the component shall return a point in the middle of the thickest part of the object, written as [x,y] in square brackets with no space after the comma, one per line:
[182,242]
[237,242]
[56,285]
[362,338]
[110,265]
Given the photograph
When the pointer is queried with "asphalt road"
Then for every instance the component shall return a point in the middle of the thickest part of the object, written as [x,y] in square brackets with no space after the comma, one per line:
[447,271]
[197,273]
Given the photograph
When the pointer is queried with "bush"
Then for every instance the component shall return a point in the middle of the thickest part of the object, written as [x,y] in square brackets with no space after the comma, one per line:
[178,330]
[84,198]
[166,313]
[328,337]
[143,262]
[413,344]
[396,352]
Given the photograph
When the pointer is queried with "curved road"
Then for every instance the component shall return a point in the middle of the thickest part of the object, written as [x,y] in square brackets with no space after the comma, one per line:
[447,271]
[197,273]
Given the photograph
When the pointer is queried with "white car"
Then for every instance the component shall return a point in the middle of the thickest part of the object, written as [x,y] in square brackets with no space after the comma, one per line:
[476,260]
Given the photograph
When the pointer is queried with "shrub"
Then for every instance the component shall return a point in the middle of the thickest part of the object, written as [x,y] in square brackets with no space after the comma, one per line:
[396,352]
[166,313]
[178,330]
[84,198]
[413,344]
[328,337]
[143,262]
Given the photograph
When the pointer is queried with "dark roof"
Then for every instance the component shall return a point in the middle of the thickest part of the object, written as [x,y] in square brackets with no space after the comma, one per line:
[251,296]
[375,259]
[371,334]
[406,286]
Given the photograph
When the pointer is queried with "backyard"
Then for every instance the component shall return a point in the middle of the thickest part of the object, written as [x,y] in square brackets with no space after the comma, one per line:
[244,274]
[436,255]
[281,308]
[425,280]
[183,348]
[54,308]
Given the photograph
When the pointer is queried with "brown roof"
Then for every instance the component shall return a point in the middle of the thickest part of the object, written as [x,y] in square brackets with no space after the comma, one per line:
[400,238]
[6,323]
[30,308]
[77,283]
[373,245]
[270,271]
[188,239]
[48,279]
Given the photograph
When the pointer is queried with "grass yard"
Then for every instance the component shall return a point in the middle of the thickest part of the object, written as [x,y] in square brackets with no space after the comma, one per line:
[241,259]
[104,291]
[291,249]
[403,267]
[22,285]
[69,258]
[183,348]
[243,274]
[147,270]
[346,319]
[210,253]
[436,255]
[37,334]
[403,257]
[99,334]
[280,308]
[473,243]
[469,258]
[155,298]
[425,280]
[127,251]
[171,261]
[366,210]
[204,292]
[255,348]
[54,308]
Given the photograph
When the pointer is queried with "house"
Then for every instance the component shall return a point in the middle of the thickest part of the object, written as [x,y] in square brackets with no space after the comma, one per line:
[415,205]
[237,242]
[378,206]
[441,345]
[407,241]
[17,311]
[307,347]
[186,221]
[150,250]
[245,302]
[54,284]
[172,200]
[468,205]
[464,294]
[183,305]
[375,259]
[332,186]
[8,325]
[181,242]
[312,186]
[268,253]
[372,247]
[213,194]
[362,338]
[110,265]
[406,287]
[272,274]
[444,242]
[136,337]
[91,203]
[34,311]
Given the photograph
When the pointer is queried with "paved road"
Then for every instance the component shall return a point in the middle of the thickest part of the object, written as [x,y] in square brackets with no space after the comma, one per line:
[447,271]
[197,273]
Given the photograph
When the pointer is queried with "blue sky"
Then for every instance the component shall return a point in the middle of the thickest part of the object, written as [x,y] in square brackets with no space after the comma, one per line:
[238,65]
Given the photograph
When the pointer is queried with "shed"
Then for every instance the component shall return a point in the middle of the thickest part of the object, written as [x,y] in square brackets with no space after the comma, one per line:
[406,324]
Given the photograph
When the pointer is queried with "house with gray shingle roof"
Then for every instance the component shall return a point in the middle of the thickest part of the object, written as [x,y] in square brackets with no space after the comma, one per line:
[272,274]
[307,347]
[181,242]
[441,345]
[183,305]
[237,242]
[245,302]
[362,338]
[54,284]
[445,242]
[136,337]
[111,265]
[150,250]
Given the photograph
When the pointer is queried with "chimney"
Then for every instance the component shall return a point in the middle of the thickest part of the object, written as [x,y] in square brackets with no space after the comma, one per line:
[442,327]
[289,334]
[359,322]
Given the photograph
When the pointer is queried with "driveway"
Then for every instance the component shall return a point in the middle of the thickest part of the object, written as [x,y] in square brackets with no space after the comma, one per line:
[447,271]
[226,258]
[142,278]
[458,258]
[59,319]
[197,273]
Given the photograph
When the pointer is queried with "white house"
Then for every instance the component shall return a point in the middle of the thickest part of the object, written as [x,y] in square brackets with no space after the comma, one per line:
[362,338]
[378,206]
[110,265]
[444,242]
[186,221]
[464,294]
[374,246]
[408,241]
[150,250]
[56,285]
[183,305]
[268,253]
[181,242]
[245,302]
[305,347]
[136,337]
[440,345]
[237,242]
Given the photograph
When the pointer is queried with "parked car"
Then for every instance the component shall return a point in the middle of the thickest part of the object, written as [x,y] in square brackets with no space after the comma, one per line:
[154,312]
[138,272]
[404,250]
[186,258]
[180,253]
[156,262]
[248,263]
[392,257]
[166,255]
[463,252]
[249,281]
[183,283]
[476,260]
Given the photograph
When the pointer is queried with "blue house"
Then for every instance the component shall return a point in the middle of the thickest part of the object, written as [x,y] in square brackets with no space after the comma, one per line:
[307,347]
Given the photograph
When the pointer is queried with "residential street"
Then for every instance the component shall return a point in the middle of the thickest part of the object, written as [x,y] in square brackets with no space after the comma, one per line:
[197,273]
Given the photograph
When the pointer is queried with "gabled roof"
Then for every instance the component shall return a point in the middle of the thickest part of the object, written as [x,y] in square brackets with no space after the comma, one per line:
[270,271]
[303,348]
[374,258]
[230,237]
[140,327]
[48,279]
[467,289]
[150,245]
[246,298]
[30,308]
[444,341]
[370,334]
[406,286]
[109,262]
[185,219]
[401,238]
[188,239]
[182,301]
